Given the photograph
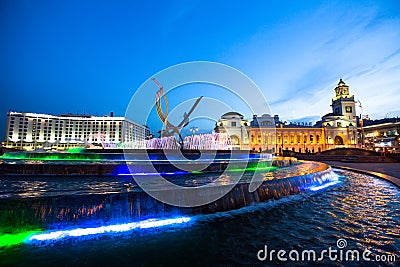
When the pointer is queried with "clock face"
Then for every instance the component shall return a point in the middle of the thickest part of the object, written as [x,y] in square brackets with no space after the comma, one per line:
[348,109]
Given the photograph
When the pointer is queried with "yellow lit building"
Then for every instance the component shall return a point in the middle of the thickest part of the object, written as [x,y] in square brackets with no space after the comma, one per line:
[297,139]
[335,130]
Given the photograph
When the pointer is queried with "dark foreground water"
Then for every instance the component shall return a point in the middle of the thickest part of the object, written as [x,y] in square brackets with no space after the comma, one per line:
[362,210]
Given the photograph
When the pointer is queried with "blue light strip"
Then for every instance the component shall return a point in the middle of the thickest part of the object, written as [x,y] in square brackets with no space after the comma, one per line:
[319,187]
[116,228]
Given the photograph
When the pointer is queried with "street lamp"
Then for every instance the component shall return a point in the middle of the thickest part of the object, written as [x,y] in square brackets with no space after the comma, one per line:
[193,130]
[361,125]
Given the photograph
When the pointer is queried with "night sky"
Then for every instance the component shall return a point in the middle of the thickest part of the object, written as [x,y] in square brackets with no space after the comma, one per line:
[91,56]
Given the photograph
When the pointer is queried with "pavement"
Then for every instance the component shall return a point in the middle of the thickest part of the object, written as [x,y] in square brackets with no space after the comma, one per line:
[387,171]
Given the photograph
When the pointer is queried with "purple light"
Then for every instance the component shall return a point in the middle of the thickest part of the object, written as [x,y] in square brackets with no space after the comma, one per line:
[116,228]
[147,173]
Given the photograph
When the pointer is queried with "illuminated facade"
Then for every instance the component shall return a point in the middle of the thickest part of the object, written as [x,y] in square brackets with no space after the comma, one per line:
[292,137]
[341,124]
[29,131]
[382,135]
[267,133]
[236,126]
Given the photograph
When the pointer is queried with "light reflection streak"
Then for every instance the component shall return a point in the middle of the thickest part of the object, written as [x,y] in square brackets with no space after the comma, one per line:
[320,187]
[116,228]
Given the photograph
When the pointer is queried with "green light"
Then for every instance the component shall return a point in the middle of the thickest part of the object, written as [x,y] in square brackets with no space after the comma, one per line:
[16,239]
[76,150]
[51,156]
[268,168]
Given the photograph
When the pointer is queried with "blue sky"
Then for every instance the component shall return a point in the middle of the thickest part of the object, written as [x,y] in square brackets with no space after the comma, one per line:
[76,56]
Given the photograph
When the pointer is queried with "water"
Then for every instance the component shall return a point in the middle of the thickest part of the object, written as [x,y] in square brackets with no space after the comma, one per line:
[213,141]
[16,186]
[361,209]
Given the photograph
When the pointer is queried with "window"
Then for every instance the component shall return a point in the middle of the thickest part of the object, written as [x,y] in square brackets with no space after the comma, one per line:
[337,111]
[349,109]
[339,124]
[233,124]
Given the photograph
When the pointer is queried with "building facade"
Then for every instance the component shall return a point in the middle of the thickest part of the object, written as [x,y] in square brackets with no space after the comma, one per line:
[341,124]
[268,133]
[292,137]
[382,135]
[236,126]
[29,131]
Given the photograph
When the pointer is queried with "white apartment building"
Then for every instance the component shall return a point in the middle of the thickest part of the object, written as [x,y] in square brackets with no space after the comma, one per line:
[29,131]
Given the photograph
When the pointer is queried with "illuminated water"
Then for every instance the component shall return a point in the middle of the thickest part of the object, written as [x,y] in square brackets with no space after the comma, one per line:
[363,210]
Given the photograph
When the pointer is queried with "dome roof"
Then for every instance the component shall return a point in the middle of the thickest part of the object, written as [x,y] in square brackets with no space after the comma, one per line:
[232,114]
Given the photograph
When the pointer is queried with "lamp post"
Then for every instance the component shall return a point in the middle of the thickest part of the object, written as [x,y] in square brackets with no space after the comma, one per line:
[361,125]
[276,139]
[193,130]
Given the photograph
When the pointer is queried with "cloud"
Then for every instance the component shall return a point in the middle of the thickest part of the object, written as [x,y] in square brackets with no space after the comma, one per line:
[304,61]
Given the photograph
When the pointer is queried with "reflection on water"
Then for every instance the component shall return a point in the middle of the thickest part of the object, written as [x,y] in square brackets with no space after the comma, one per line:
[370,217]
[53,202]
[44,186]
[363,210]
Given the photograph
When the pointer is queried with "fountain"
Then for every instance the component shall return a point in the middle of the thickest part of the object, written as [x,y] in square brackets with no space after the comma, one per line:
[213,141]
[62,205]
[97,191]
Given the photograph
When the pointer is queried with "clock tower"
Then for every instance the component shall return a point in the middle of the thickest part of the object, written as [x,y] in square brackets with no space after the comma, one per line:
[341,125]
[343,103]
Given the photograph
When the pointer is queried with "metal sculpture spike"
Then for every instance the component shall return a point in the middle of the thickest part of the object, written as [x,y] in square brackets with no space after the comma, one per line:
[171,129]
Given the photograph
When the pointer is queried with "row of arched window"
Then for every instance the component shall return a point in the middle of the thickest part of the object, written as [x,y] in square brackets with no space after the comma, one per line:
[287,139]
